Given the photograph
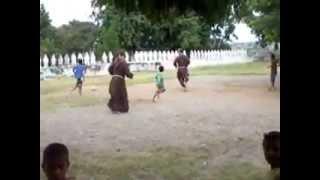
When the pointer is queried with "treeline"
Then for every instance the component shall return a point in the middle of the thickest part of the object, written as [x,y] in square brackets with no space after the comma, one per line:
[135,28]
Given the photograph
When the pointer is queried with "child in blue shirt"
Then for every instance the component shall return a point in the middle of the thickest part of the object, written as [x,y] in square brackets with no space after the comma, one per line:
[79,72]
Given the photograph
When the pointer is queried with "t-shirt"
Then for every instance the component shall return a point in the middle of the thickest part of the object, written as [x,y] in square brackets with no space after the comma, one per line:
[79,71]
[159,80]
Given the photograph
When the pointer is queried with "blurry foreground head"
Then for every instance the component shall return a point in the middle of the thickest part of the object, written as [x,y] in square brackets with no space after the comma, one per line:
[271,148]
[55,162]
[180,51]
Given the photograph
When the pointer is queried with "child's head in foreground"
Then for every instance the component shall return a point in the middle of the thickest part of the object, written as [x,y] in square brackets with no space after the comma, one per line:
[55,161]
[271,147]
[161,68]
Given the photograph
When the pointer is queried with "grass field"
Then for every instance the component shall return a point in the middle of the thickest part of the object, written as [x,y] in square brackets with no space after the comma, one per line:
[163,164]
[54,93]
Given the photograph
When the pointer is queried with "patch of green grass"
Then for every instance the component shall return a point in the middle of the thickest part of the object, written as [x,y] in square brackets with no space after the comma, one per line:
[239,171]
[52,102]
[252,68]
[163,164]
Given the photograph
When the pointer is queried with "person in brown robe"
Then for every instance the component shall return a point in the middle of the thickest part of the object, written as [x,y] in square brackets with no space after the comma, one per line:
[181,63]
[119,69]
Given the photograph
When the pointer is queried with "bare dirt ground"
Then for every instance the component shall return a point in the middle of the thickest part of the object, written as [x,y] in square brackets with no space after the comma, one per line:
[225,114]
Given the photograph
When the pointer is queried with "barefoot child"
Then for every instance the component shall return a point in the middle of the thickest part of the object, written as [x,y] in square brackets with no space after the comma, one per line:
[159,84]
[55,162]
[79,72]
[274,71]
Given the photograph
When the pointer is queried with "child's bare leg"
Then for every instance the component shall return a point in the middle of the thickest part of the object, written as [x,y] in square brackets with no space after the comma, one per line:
[273,78]
[80,90]
[74,88]
[160,92]
[155,95]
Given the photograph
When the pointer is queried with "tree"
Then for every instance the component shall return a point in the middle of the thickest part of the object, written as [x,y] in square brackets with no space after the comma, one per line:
[47,32]
[76,37]
[263,16]
[173,30]
[213,10]
[45,23]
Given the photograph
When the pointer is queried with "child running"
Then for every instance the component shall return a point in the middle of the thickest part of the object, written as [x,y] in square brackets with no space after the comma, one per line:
[274,70]
[159,84]
[79,72]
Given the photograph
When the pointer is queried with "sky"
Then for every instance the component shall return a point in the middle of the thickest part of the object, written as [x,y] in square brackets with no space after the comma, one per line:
[63,11]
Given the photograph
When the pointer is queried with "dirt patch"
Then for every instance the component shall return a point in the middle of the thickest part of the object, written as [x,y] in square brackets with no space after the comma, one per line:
[225,116]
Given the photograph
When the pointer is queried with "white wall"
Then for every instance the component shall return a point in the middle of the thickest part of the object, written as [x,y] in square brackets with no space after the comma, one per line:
[149,58]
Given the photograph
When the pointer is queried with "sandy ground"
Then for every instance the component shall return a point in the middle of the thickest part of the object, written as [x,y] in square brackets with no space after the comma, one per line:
[226,115]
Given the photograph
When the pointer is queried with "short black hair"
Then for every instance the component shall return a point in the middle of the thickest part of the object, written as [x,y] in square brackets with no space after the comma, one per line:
[272,135]
[55,151]
[272,56]
[161,68]
[80,61]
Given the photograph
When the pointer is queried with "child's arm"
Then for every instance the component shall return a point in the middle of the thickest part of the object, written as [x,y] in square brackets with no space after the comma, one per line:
[84,73]
[110,69]
[127,70]
[188,61]
[175,62]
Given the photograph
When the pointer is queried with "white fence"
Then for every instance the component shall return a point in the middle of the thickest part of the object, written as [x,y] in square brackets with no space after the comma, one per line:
[146,60]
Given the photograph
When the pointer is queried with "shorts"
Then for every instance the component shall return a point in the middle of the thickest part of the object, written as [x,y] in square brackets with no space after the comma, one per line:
[79,82]
[161,89]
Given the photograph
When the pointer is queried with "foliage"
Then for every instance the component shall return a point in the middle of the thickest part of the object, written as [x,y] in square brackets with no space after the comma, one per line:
[73,37]
[263,16]
[76,37]
[47,32]
[46,29]
[213,11]
[134,31]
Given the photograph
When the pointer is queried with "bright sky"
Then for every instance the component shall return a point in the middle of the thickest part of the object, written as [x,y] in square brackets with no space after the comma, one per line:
[63,11]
